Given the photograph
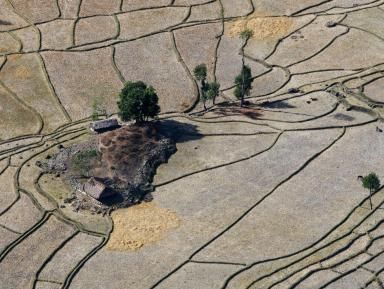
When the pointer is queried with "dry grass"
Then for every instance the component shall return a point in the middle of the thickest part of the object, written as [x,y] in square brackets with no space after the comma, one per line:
[140,225]
[263,27]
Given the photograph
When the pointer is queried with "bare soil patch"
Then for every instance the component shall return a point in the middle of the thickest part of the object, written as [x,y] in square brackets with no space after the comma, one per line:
[125,160]
[140,225]
[130,154]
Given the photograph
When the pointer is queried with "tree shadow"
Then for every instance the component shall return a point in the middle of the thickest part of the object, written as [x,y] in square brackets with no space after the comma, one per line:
[248,111]
[4,22]
[342,116]
[179,131]
[277,104]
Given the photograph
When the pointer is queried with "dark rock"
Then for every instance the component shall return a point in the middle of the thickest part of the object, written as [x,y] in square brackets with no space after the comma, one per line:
[293,90]
[331,24]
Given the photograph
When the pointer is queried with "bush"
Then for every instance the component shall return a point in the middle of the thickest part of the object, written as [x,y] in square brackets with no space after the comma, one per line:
[82,161]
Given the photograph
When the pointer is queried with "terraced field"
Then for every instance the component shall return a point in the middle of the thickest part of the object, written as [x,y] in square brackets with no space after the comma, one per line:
[262,197]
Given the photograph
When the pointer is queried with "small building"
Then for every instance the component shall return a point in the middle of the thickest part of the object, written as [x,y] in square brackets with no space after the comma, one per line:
[104,125]
[97,189]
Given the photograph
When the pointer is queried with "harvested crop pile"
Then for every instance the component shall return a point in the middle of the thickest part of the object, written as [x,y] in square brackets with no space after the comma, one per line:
[140,225]
[263,27]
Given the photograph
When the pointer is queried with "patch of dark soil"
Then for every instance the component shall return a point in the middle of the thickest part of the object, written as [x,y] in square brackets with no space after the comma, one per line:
[125,159]
[131,154]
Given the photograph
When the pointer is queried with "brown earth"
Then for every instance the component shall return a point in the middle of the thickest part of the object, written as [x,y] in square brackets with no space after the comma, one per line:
[125,152]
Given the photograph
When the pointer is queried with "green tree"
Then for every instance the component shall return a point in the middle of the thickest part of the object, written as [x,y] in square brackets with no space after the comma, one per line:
[213,90]
[200,73]
[138,102]
[372,183]
[243,83]
[210,92]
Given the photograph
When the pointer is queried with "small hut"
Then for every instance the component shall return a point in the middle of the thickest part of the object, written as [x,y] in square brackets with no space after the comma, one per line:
[97,189]
[104,125]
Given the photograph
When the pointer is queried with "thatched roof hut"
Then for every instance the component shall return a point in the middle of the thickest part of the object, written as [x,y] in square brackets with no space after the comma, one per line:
[97,189]
[104,125]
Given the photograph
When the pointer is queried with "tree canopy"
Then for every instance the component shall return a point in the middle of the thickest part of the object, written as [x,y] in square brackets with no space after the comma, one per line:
[209,92]
[200,72]
[213,90]
[138,102]
[243,83]
[371,182]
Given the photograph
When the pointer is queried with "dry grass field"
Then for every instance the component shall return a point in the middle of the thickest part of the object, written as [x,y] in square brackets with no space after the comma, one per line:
[265,196]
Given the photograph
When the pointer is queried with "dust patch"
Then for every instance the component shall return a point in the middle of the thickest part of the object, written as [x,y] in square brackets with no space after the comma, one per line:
[263,27]
[139,225]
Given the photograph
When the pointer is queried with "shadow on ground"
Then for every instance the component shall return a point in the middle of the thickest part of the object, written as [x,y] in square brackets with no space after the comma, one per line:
[178,131]
[277,104]
[3,22]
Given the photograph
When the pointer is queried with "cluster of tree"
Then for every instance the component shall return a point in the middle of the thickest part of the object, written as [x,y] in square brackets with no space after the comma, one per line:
[139,102]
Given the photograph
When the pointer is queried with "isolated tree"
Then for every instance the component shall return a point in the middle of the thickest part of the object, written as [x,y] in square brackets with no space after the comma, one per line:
[138,102]
[372,183]
[243,83]
[244,80]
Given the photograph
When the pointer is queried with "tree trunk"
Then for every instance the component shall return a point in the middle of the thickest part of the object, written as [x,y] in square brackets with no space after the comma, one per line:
[370,198]
[200,90]
[242,75]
